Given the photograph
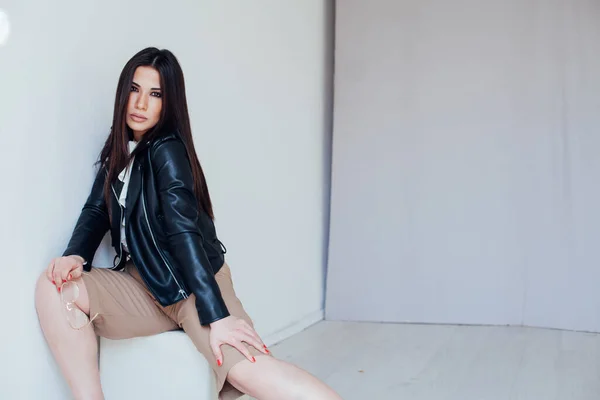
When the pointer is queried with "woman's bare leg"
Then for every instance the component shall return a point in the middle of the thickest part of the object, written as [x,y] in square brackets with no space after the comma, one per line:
[270,378]
[75,351]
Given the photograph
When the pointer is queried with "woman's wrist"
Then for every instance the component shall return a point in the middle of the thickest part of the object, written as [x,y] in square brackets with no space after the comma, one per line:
[78,258]
[216,322]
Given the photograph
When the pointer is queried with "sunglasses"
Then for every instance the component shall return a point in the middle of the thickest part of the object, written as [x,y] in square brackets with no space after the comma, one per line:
[69,293]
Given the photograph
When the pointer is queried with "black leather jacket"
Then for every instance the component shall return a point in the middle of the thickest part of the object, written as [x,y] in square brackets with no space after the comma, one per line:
[172,242]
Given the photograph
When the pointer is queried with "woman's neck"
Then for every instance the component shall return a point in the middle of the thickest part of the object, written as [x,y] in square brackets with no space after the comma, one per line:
[137,136]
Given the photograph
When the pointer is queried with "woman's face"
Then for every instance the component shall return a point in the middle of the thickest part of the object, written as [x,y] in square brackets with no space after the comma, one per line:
[145,101]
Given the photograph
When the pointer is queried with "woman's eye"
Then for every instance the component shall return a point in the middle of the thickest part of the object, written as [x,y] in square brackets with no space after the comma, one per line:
[133,89]
[156,94]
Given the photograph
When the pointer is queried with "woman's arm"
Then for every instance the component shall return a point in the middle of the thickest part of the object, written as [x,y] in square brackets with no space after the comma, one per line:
[180,208]
[92,225]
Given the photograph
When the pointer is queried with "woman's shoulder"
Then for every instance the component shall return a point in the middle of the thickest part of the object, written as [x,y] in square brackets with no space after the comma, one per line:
[167,143]
[166,149]
[162,139]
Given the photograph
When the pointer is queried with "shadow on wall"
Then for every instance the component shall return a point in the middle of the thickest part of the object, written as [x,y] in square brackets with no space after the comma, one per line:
[328,97]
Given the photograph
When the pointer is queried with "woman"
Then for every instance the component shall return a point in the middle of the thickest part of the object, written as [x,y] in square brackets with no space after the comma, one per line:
[169,272]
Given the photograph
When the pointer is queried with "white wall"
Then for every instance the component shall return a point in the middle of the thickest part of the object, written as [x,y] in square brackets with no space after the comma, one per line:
[257,74]
[466,163]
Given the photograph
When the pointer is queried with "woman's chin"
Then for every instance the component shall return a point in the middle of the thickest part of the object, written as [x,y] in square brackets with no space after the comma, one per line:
[137,126]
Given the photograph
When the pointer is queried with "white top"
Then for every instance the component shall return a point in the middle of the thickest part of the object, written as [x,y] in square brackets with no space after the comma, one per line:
[124,177]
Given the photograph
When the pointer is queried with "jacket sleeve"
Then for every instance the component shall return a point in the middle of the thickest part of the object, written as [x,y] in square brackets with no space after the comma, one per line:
[92,225]
[180,209]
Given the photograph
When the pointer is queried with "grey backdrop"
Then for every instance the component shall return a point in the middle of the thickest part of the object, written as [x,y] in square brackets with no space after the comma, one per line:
[466,163]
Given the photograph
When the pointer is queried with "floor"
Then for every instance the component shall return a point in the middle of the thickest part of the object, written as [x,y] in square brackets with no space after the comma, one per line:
[430,362]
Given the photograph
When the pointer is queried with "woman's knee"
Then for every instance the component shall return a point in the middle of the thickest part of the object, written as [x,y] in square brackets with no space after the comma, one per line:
[47,293]
[248,377]
[44,290]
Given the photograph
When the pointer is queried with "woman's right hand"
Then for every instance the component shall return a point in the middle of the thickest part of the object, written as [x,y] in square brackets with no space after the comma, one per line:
[62,269]
[234,331]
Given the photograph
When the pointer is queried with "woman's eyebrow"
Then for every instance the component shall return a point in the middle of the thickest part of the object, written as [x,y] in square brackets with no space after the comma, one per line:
[154,88]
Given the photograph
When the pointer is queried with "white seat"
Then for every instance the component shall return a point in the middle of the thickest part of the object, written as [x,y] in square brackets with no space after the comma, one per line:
[164,366]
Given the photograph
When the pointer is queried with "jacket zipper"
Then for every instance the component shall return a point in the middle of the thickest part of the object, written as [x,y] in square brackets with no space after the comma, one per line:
[120,222]
[183,293]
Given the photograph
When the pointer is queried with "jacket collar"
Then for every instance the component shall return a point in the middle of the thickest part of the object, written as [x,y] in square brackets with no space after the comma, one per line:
[135,181]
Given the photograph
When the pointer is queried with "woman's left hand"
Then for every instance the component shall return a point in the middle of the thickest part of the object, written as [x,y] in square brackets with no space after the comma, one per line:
[234,331]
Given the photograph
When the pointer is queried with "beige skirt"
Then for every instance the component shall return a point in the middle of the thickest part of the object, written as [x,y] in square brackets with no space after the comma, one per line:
[126,309]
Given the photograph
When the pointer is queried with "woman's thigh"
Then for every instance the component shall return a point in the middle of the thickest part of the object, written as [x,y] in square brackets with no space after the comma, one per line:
[122,306]
[186,314]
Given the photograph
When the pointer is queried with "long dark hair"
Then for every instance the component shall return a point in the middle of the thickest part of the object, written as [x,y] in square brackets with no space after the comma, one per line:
[173,118]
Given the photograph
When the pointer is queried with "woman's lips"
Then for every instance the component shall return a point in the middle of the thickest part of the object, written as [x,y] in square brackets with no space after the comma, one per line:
[138,118]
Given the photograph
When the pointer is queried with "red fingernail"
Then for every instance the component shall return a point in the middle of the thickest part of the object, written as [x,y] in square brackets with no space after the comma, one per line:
[64,280]
[54,283]
[58,290]
[253,359]
[219,363]
[70,276]
[267,350]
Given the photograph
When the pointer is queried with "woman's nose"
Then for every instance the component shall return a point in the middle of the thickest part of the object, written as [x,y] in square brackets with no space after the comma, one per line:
[141,103]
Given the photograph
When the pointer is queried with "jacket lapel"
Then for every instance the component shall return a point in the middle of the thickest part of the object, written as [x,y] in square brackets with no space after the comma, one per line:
[117,187]
[115,211]
[133,192]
